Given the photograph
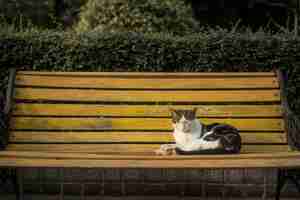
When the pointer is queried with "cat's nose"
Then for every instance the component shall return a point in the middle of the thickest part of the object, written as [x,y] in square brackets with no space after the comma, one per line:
[185,123]
[186,128]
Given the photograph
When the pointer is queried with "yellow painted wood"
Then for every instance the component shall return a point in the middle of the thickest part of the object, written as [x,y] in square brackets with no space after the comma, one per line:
[126,149]
[273,152]
[89,137]
[64,123]
[118,155]
[186,164]
[119,137]
[87,95]
[147,83]
[28,109]
[147,74]
[61,155]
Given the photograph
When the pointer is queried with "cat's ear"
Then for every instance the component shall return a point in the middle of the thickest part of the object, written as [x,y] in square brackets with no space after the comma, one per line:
[173,112]
[195,110]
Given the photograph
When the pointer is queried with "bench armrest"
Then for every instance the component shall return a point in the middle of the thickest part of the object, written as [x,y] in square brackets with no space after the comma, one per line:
[2,114]
[293,128]
[292,122]
[6,95]
[3,117]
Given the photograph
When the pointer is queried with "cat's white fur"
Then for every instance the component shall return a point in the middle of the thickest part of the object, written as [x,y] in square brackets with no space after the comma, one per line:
[189,137]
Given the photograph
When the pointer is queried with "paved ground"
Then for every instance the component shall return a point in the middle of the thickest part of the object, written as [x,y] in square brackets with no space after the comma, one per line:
[43,197]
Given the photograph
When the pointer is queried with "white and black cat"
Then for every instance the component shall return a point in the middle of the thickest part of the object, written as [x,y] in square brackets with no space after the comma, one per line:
[193,137]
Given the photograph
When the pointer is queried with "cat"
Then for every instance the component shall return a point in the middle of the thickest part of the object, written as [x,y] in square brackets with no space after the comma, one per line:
[193,137]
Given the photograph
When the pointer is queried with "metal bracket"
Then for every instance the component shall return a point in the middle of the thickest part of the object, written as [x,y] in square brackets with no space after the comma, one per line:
[6,99]
[3,120]
[292,122]
[5,174]
[284,175]
[8,174]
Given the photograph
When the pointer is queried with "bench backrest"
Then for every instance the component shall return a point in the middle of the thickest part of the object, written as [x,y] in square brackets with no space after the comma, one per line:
[128,113]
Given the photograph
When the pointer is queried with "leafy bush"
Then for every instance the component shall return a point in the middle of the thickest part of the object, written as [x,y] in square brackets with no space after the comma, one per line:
[38,12]
[147,16]
[210,51]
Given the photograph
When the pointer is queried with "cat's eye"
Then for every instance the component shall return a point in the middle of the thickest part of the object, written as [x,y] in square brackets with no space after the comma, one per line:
[190,116]
[176,119]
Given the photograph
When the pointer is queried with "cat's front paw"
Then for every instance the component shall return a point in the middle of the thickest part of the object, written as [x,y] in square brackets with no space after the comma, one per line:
[166,149]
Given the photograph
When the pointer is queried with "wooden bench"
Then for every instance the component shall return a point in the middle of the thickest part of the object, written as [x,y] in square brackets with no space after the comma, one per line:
[118,120]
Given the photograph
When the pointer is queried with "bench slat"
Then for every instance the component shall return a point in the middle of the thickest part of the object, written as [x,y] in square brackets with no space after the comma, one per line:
[28,109]
[147,83]
[93,123]
[121,137]
[209,163]
[86,134]
[60,155]
[149,74]
[126,149]
[92,95]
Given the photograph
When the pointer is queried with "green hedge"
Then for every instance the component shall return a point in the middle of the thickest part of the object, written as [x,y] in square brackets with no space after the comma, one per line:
[38,12]
[210,51]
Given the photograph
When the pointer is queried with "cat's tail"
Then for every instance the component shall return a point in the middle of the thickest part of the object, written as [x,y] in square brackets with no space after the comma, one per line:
[232,143]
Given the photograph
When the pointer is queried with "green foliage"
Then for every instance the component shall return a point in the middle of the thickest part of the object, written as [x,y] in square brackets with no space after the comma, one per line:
[38,12]
[210,51]
[147,16]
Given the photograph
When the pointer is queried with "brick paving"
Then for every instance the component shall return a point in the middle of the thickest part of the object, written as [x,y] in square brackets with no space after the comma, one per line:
[44,197]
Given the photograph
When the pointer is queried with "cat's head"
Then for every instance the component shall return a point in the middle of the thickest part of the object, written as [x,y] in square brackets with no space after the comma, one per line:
[184,120]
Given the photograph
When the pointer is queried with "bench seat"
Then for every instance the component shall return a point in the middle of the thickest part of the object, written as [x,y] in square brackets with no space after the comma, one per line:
[90,160]
[118,120]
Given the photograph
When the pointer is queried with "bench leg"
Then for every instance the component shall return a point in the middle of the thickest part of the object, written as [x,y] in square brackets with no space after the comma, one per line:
[6,175]
[16,183]
[296,183]
[283,176]
[281,179]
